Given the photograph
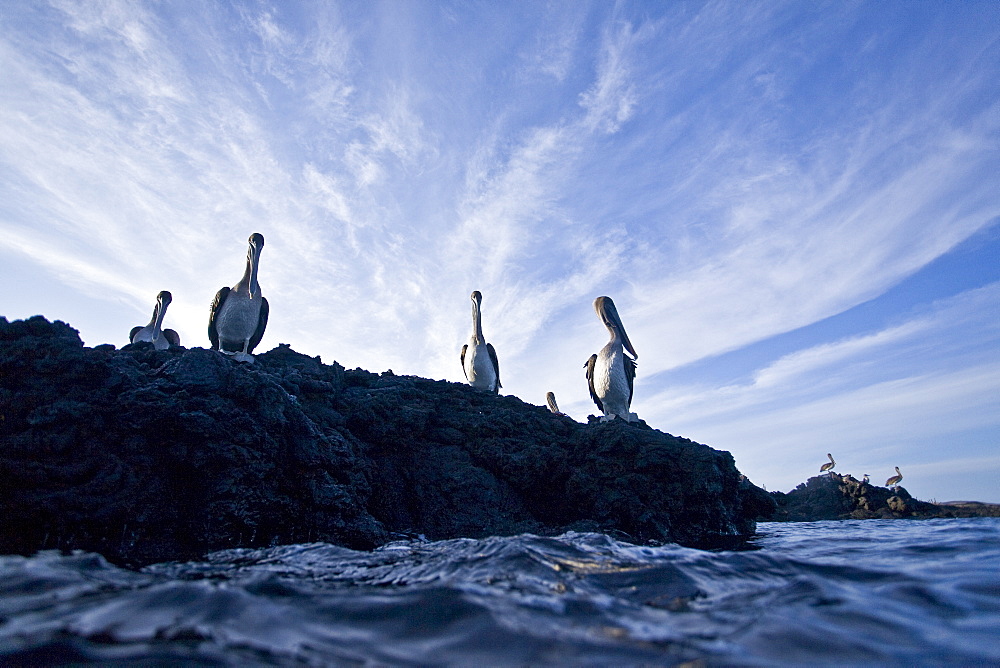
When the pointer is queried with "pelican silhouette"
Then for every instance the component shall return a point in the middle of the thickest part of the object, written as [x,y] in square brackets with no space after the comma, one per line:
[238,315]
[610,372]
[479,359]
[153,332]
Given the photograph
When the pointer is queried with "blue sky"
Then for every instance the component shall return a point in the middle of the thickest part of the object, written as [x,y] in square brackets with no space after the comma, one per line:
[795,206]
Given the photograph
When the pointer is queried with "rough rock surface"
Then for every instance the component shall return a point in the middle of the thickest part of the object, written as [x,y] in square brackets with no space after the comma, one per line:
[835,497]
[147,455]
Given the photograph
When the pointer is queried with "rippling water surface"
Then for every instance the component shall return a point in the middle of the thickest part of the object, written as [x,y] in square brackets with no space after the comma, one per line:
[854,592]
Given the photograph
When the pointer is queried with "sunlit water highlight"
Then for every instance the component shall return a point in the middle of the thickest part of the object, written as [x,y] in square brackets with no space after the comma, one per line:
[855,592]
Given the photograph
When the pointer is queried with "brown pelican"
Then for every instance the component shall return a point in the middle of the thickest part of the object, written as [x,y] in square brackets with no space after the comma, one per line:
[896,479]
[829,465]
[611,373]
[864,478]
[160,338]
[239,314]
[479,359]
[550,401]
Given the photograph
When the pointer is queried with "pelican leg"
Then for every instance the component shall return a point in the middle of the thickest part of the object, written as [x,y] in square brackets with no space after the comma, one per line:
[243,355]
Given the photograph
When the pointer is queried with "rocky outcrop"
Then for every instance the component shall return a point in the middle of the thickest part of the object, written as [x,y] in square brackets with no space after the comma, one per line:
[147,455]
[835,497]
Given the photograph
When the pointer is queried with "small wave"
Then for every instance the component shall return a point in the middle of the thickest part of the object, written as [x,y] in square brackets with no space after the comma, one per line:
[920,593]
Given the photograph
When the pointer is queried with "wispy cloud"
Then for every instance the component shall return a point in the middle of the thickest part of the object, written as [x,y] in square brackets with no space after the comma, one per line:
[922,342]
[792,250]
[874,397]
[611,100]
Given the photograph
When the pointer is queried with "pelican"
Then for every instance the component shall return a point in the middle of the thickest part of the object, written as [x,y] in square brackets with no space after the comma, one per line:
[829,465]
[896,479]
[239,314]
[611,373]
[550,401]
[479,359]
[160,338]
[864,478]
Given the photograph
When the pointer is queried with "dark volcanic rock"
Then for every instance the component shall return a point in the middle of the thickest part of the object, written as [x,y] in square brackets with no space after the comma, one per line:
[147,455]
[833,497]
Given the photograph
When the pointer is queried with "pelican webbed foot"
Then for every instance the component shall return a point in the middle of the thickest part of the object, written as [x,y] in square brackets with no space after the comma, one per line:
[238,355]
[627,417]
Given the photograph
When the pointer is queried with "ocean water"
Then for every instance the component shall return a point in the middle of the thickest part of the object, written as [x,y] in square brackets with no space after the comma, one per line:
[841,593]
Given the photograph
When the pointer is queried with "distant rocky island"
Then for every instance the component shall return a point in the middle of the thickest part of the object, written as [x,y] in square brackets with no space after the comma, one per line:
[145,455]
[835,497]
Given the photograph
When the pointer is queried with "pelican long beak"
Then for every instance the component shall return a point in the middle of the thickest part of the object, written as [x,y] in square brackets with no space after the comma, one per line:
[254,261]
[608,313]
[477,323]
[626,343]
[256,245]
[162,302]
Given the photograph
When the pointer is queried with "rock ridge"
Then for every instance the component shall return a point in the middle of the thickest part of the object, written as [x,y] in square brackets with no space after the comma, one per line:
[145,455]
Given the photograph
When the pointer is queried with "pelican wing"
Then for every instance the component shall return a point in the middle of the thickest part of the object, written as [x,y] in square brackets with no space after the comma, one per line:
[464,348]
[629,376]
[213,333]
[258,333]
[590,380]
[172,337]
[496,364]
[131,335]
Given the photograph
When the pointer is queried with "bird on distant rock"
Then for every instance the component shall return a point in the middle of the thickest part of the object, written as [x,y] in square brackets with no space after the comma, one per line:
[864,478]
[238,315]
[153,332]
[894,480]
[479,359]
[610,372]
[829,465]
[550,401]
